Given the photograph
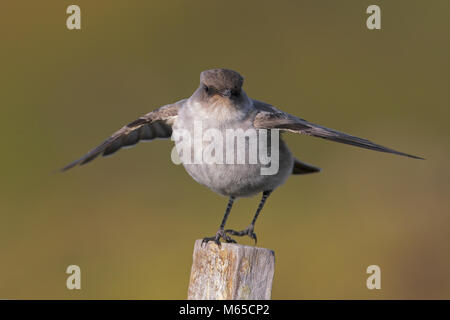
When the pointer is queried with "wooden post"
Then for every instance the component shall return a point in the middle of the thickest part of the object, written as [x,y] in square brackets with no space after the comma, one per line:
[232,272]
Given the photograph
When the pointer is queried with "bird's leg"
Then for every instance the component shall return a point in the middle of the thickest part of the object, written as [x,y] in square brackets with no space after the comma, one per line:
[249,230]
[221,232]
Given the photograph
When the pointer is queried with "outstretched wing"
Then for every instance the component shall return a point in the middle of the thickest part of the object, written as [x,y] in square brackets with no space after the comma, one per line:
[269,117]
[155,124]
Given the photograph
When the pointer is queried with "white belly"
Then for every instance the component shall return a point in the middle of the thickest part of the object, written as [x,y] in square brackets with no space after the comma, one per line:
[225,177]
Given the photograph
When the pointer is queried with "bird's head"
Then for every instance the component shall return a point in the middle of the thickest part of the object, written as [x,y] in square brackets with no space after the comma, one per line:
[220,84]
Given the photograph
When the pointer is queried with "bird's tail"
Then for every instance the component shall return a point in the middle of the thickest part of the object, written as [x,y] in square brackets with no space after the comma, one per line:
[303,168]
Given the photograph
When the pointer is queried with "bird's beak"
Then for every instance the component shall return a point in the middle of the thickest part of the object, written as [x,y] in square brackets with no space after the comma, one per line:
[226,93]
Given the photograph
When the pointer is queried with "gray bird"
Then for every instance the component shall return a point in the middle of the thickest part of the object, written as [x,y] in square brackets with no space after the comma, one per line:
[220,103]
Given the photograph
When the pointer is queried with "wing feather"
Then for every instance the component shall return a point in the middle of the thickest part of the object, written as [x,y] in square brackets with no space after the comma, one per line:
[155,124]
[269,117]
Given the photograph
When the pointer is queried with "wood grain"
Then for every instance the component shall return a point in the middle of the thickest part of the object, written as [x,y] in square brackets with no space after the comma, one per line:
[231,272]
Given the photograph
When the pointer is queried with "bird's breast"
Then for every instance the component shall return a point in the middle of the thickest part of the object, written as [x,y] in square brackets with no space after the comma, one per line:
[227,157]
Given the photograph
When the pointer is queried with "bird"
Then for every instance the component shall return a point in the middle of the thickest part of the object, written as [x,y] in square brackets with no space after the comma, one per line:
[220,103]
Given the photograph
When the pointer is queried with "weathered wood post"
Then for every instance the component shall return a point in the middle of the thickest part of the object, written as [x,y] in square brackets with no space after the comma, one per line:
[231,272]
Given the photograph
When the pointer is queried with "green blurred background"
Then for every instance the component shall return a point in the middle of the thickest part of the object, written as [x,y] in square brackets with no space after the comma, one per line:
[62,92]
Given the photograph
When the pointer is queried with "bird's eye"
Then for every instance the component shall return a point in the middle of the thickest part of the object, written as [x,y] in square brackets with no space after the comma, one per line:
[206,88]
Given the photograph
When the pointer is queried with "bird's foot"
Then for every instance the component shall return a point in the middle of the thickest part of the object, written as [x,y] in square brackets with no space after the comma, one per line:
[220,234]
[247,232]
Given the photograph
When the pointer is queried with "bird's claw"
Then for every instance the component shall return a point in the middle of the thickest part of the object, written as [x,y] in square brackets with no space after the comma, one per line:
[220,234]
[247,232]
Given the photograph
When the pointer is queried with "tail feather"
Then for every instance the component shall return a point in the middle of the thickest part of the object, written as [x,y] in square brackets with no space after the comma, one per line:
[303,168]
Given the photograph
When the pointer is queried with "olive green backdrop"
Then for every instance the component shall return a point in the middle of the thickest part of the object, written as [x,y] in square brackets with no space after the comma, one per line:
[130,221]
